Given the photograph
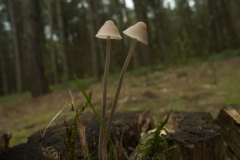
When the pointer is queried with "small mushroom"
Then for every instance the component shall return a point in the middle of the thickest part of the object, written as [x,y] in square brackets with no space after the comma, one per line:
[107,31]
[139,33]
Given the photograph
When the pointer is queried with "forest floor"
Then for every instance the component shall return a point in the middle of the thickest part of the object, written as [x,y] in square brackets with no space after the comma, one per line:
[200,86]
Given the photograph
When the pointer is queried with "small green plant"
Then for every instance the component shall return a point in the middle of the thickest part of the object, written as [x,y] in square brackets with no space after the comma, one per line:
[71,133]
[80,86]
[153,143]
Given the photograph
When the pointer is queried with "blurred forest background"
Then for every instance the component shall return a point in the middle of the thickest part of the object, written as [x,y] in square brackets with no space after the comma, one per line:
[45,42]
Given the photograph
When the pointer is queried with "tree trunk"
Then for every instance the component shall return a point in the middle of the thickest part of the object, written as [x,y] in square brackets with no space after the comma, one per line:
[52,50]
[126,12]
[228,24]
[62,39]
[143,50]
[235,14]
[38,83]
[159,22]
[3,74]
[16,47]
[215,27]
[99,22]
[25,56]
[93,49]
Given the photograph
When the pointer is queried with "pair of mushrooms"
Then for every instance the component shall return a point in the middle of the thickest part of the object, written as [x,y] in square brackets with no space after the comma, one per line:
[137,32]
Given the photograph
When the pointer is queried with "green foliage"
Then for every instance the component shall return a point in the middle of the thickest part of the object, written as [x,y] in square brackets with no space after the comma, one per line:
[71,133]
[86,82]
[226,54]
[145,70]
[153,143]
[15,96]
[80,86]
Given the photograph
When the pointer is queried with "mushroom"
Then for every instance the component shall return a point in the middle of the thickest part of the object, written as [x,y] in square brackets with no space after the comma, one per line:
[107,31]
[139,33]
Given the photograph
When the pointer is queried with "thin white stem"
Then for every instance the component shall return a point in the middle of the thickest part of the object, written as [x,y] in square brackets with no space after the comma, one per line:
[103,115]
[114,104]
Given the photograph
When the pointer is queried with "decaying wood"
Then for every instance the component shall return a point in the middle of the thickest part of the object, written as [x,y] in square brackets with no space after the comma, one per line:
[199,143]
[197,136]
[125,131]
[229,120]
[230,154]
[183,120]
[4,139]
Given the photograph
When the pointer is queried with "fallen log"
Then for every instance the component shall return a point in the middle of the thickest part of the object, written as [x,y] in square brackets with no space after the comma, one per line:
[125,132]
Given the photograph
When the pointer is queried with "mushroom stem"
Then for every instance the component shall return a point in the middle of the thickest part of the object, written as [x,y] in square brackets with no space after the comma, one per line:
[103,115]
[114,104]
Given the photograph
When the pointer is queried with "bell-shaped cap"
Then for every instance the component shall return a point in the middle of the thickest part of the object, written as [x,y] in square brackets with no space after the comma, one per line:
[138,31]
[108,29]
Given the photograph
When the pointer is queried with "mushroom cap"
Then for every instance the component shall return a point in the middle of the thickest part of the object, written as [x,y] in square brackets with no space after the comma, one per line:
[138,31]
[108,29]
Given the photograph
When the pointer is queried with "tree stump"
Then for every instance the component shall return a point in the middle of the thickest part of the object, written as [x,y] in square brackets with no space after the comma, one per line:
[184,120]
[229,120]
[197,136]
[199,143]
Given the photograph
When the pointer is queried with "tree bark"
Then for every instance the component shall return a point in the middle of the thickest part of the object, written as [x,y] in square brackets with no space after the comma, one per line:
[229,120]
[141,15]
[52,50]
[235,14]
[126,24]
[62,39]
[199,143]
[125,132]
[215,27]
[38,83]
[197,136]
[3,74]
[159,22]
[93,49]
[228,24]
[99,22]
[16,47]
